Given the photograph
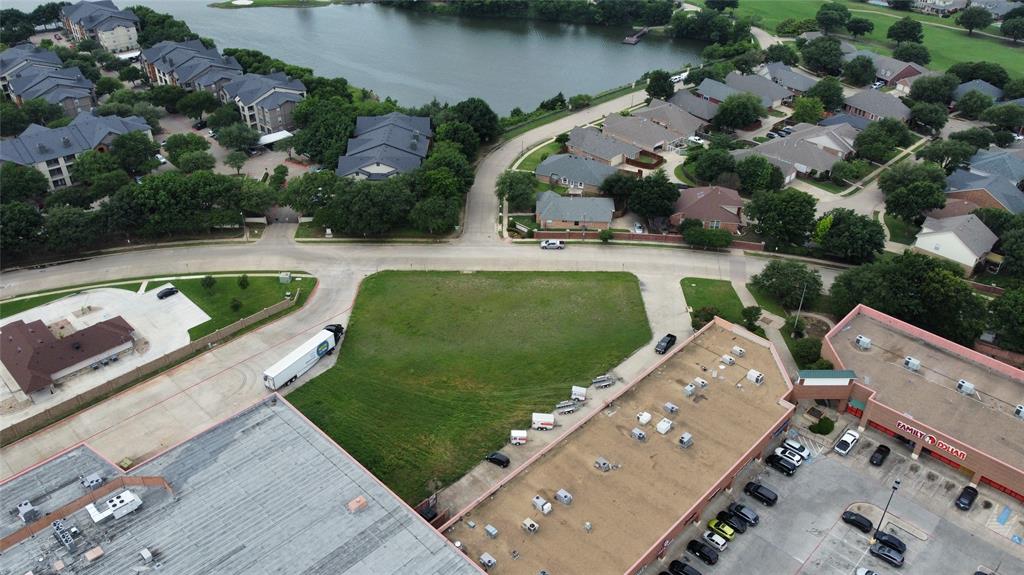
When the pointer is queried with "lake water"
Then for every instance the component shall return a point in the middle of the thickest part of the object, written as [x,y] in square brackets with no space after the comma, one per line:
[415,57]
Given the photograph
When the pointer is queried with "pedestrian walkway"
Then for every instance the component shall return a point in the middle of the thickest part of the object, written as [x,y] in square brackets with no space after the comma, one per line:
[772,325]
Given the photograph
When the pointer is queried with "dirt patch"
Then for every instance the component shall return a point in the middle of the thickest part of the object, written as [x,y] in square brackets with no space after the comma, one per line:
[814,327]
[61,328]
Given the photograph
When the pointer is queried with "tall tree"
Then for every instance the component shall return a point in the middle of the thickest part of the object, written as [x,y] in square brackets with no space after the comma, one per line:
[988,71]
[829,91]
[823,55]
[237,137]
[659,85]
[656,197]
[178,144]
[832,16]
[853,237]
[69,229]
[739,110]
[911,189]
[1013,28]
[711,163]
[197,103]
[517,188]
[950,154]
[619,186]
[972,104]
[461,134]
[20,225]
[1006,318]
[1007,116]
[21,183]
[859,71]
[974,18]
[783,218]
[808,109]
[236,160]
[912,52]
[479,115]
[135,152]
[787,281]
[934,89]
[906,30]
[757,174]
[860,26]
[784,53]
[933,117]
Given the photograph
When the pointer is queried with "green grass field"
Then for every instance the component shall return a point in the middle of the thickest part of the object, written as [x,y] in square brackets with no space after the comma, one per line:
[437,367]
[719,294]
[900,231]
[15,307]
[946,46]
[534,158]
[262,292]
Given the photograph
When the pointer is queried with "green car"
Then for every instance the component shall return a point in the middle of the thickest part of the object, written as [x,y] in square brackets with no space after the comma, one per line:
[722,529]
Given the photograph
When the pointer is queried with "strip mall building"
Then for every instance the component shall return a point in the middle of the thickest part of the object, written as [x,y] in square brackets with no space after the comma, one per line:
[949,402]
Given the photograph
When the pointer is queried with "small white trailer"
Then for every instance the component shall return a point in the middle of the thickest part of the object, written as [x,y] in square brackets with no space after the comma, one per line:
[302,358]
[543,421]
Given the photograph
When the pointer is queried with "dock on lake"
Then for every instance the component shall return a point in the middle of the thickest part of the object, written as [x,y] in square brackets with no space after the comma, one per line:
[635,38]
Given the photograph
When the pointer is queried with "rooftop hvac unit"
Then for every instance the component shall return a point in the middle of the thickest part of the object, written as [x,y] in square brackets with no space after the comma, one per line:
[491,531]
[755,377]
[564,497]
[671,408]
[530,526]
[638,434]
[27,512]
[541,504]
[701,382]
[686,440]
[965,387]
[602,464]
[690,389]
[912,363]
[643,417]
[91,480]
[518,437]
[664,426]
[487,561]
[738,351]
[1019,411]
[862,342]
[579,393]
[728,360]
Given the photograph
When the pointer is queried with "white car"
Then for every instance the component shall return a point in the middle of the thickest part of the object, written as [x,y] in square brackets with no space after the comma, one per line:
[866,571]
[1018,137]
[638,228]
[161,159]
[552,245]
[847,442]
[798,448]
[696,140]
[877,85]
[680,77]
[715,540]
[789,455]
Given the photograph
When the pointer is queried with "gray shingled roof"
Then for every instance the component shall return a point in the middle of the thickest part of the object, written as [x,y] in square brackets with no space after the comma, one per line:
[392,136]
[858,122]
[969,229]
[808,146]
[978,86]
[787,77]
[879,103]
[759,86]
[670,116]
[102,15]
[998,163]
[53,85]
[886,67]
[845,46]
[264,492]
[551,206]
[189,60]
[591,141]
[639,131]
[575,168]
[39,144]
[421,124]
[694,105]
[12,57]
[402,162]
[1001,189]
[716,90]
[251,87]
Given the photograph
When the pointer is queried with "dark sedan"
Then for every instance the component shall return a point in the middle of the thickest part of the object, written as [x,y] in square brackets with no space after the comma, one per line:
[734,521]
[966,499]
[857,520]
[880,454]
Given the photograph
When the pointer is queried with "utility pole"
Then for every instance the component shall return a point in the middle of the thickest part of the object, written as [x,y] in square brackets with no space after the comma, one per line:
[800,308]
[895,486]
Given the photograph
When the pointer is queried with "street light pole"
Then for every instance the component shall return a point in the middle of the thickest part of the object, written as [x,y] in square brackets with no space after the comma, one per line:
[895,486]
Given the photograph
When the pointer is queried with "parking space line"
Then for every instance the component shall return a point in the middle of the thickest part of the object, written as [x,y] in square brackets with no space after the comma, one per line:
[815,550]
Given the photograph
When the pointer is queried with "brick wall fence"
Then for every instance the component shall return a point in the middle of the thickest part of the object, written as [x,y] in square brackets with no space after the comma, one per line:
[1011,357]
[631,237]
[71,405]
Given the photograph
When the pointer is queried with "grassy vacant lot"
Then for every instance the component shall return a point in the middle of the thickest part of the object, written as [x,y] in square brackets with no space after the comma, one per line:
[946,46]
[262,292]
[7,309]
[534,158]
[437,367]
[900,231]
[719,294]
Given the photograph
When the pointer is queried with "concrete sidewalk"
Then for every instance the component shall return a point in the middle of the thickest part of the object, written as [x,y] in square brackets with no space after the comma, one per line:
[772,325]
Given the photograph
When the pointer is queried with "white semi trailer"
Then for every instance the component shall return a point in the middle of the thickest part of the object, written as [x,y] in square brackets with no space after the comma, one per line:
[304,357]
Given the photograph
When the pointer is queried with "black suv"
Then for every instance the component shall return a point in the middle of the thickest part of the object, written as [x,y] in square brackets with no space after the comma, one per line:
[761,493]
[665,344]
[966,499]
[887,554]
[743,512]
[780,464]
[498,458]
[680,568]
[858,521]
[703,551]
[891,541]
[166,293]
[878,457]
[737,523]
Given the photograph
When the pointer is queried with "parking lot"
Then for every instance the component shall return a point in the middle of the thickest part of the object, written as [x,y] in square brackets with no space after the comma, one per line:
[803,532]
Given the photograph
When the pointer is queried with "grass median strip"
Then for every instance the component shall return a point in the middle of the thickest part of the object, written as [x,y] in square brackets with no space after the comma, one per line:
[437,367]
[217,301]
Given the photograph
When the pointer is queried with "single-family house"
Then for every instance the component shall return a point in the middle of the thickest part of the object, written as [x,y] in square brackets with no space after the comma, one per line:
[189,64]
[998,162]
[904,85]
[589,142]
[875,105]
[858,122]
[715,206]
[998,8]
[566,212]
[978,86]
[888,69]
[266,102]
[808,151]
[939,7]
[789,78]
[715,91]
[953,208]
[115,29]
[985,191]
[772,95]
[671,117]
[22,57]
[52,151]
[66,87]
[383,146]
[641,132]
[579,175]
[694,105]
[845,46]
[965,240]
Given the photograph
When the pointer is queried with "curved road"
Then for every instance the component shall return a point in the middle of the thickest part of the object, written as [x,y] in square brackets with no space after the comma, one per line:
[181,402]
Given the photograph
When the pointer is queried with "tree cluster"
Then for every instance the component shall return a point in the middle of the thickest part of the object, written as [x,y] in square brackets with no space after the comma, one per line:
[709,26]
[912,189]
[787,281]
[156,27]
[878,142]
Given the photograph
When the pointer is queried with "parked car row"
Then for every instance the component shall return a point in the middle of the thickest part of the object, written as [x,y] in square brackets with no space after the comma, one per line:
[887,547]
[736,518]
[788,457]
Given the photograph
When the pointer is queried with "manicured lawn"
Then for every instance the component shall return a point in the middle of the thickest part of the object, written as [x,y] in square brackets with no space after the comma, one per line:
[437,367]
[719,294]
[683,174]
[827,185]
[534,158]
[946,46]
[539,186]
[766,302]
[7,309]
[525,220]
[900,231]
[216,302]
